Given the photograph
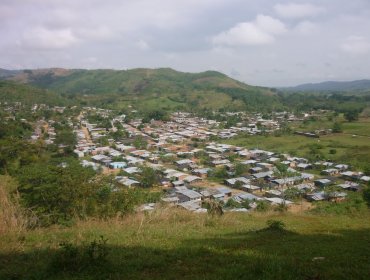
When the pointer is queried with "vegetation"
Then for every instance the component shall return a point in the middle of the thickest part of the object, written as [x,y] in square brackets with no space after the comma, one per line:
[175,244]
[14,92]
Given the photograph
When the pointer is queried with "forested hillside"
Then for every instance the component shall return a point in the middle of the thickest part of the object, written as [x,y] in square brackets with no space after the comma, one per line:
[158,88]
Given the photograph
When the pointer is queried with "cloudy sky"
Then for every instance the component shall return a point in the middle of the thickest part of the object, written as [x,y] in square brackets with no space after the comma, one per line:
[261,42]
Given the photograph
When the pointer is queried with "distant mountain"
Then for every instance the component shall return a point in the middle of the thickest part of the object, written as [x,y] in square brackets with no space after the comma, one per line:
[358,85]
[162,88]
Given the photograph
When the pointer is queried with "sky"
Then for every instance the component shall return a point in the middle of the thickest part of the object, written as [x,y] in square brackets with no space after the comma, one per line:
[260,42]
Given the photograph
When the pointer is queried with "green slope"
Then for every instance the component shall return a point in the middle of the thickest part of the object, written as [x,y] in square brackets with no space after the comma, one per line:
[161,88]
[14,92]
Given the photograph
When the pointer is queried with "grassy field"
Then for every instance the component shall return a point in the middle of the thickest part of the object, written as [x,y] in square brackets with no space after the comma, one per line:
[181,245]
[354,150]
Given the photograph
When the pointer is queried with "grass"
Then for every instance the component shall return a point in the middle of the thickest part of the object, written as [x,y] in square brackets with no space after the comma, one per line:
[181,245]
[348,149]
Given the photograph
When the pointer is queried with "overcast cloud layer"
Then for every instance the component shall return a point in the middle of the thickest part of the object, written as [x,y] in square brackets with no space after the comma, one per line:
[261,42]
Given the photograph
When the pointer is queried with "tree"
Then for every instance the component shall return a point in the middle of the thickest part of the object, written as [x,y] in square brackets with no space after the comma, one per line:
[56,193]
[337,127]
[148,177]
[351,115]
[140,142]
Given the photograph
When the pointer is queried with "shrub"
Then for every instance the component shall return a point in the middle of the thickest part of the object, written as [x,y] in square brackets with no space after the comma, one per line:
[366,196]
[72,258]
[262,206]
[275,225]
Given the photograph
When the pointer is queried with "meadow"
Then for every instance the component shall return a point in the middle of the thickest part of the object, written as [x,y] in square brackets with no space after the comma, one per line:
[351,146]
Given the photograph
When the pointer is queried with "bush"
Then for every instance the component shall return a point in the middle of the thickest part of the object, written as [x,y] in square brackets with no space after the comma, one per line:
[72,258]
[263,206]
[275,225]
[213,207]
[366,196]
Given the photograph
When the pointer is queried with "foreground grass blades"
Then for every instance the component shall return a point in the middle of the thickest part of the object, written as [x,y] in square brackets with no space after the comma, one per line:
[180,245]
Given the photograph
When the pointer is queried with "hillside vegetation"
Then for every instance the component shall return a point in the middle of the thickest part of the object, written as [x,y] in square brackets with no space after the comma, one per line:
[14,92]
[158,88]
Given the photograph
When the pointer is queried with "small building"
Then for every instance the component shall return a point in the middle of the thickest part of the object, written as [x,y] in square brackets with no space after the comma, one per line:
[187,195]
[117,165]
[322,182]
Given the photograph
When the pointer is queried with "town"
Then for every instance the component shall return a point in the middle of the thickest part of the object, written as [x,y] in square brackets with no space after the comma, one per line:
[185,158]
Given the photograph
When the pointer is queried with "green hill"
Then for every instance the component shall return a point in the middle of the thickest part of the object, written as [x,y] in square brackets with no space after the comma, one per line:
[15,92]
[337,86]
[159,88]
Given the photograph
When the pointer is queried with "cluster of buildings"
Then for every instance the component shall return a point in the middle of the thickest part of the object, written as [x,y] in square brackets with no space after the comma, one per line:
[186,161]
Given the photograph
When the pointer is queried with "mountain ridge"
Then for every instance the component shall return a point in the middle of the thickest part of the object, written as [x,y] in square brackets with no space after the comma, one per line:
[355,85]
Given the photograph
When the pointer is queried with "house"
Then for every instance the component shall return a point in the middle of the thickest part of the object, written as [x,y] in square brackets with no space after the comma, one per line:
[330,171]
[226,192]
[307,176]
[233,181]
[263,175]
[178,183]
[337,196]
[278,201]
[304,166]
[273,193]
[192,205]
[128,182]
[132,170]
[317,196]
[286,181]
[251,197]
[99,158]
[184,163]
[187,195]
[219,163]
[201,172]
[250,188]
[350,186]
[255,170]
[342,167]
[117,165]
[265,166]
[365,179]
[351,175]
[322,182]
[192,179]
[250,162]
[170,200]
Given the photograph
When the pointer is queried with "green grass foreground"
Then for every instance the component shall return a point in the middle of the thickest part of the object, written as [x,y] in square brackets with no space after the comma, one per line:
[180,245]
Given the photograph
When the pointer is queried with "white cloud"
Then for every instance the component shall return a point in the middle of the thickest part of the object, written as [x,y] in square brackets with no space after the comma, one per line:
[305,27]
[356,45]
[262,30]
[42,38]
[143,45]
[294,10]
[100,33]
